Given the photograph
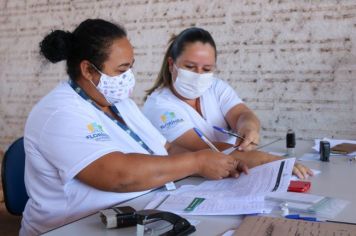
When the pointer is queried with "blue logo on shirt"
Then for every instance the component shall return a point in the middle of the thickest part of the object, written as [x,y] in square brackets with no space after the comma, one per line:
[96,132]
[169,120]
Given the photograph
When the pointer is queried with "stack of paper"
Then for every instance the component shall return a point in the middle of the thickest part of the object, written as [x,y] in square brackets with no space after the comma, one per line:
[231,196]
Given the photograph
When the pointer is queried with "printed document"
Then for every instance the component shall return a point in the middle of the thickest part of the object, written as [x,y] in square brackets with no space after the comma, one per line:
[231,196]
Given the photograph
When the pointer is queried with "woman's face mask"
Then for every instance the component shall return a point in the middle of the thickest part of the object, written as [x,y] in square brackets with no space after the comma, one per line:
[116,88]
[192,85]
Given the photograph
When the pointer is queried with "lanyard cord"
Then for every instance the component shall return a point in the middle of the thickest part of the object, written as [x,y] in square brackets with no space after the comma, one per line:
[113,108]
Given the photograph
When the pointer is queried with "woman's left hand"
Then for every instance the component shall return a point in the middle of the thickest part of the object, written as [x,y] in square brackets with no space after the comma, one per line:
[302,171]
[251,138]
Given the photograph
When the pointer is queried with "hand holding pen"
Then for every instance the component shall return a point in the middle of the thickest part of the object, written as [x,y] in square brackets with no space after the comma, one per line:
[236,166]
[244,142]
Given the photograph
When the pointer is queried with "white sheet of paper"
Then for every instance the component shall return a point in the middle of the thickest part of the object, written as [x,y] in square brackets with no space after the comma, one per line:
[310,157]
[217,206]
[231,196]
[260,180]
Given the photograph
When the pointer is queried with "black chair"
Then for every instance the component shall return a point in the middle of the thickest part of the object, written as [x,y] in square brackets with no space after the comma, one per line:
[12,174]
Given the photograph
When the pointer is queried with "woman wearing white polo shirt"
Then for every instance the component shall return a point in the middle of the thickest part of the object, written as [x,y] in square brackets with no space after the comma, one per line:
[186,94]
[87,144]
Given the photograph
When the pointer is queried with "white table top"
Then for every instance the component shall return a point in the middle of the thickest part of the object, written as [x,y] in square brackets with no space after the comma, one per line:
[337,179]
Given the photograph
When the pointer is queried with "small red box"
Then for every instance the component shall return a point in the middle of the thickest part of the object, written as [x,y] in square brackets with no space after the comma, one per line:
[299,186]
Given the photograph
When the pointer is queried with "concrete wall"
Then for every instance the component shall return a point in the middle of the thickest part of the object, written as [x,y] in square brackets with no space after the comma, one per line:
[293,62]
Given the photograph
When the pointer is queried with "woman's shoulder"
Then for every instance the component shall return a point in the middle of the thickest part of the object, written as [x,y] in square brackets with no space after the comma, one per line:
[160,95]
[61,104]
[160,99]
[127,105]
[220,83]
[61,98]
[64,96]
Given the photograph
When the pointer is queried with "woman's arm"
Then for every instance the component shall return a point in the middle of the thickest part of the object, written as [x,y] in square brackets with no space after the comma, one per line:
[241,119]
[119,172]
[173,148]
[191,141]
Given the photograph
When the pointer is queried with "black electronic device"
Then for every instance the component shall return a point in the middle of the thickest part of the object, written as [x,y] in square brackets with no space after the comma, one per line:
[179,225]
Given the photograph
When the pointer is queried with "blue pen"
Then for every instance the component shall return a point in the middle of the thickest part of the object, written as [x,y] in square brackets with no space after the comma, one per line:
[205,140]
[231,133]
[298,217]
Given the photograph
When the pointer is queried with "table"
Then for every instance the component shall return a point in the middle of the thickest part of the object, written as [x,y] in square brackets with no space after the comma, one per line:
[336,179]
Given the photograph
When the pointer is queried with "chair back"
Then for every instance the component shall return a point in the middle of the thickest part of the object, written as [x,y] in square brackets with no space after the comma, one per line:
[12,174]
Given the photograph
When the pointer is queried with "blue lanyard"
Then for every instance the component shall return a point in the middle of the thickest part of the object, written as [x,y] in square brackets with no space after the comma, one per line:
[133,135]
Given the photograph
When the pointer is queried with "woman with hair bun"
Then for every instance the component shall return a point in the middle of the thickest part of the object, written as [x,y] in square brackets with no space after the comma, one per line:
[87,144]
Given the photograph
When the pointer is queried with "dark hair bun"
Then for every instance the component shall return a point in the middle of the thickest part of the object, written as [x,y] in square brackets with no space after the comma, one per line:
[56,46]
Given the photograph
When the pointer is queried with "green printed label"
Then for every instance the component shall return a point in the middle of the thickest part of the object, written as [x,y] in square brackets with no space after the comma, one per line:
[196,202]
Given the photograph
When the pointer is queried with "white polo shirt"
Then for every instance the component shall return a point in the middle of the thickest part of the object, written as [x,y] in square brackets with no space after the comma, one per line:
[64,134]
[173,117]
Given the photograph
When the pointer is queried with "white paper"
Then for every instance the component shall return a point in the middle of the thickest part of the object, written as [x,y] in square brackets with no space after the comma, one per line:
[216,206]
[306,157]
[231,196]
[260,180]
[333,142]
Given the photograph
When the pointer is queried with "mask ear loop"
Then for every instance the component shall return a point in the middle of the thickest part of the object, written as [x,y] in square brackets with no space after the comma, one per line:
[101,73]
[96,68]
[175,67]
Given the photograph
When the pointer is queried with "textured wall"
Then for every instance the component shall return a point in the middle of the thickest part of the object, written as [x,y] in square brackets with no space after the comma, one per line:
[293,62]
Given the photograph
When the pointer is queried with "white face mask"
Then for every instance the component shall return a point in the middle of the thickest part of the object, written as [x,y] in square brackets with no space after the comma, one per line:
[116,88]
[192,85]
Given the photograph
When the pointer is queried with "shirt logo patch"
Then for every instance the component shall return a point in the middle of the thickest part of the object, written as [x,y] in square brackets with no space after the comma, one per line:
[169,120]
[96,132]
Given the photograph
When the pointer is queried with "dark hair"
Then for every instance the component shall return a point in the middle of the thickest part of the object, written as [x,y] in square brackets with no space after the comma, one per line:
[89,41]
[176,46]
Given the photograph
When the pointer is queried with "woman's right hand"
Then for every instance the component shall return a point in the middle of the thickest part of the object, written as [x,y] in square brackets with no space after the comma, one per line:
[216,165]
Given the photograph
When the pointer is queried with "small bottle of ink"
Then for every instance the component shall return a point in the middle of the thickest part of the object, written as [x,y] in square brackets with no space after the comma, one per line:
[324,150]
[290,143]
